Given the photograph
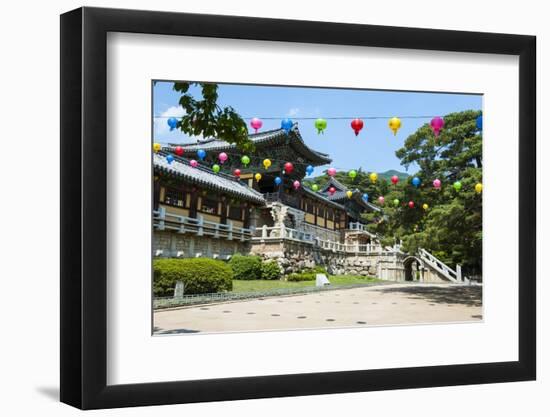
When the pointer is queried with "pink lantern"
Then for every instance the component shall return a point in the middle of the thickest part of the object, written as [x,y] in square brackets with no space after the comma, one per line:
[331,172]
[256,124]
[381,200]
[437,184]
[193,163]
[296,184]
[437,124]
[222,157]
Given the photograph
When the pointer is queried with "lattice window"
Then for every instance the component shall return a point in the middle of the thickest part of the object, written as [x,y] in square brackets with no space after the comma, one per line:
[209,205]
[173,197]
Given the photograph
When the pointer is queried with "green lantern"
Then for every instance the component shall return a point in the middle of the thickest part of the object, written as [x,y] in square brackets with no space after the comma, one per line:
[352,174]
[315,187]
[216,168]
[245,160]
[457,185]
[396,202]
[320,125]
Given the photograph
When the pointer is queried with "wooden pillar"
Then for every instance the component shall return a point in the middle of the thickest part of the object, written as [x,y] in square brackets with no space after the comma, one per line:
[194,203]
[156,194]
[223,215]
[246,215]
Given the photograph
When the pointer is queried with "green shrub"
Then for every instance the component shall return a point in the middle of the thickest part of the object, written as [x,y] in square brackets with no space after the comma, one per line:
[199,275]
[271,270]
[246,267]
[320,270]
[303,276]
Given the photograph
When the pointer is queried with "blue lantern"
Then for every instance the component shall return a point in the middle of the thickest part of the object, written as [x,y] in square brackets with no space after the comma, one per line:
[201,154]
[169,159]
[479,122]
[172,122]
[309,170]
[278,180]
[286,124]
[366,197]
[416,181]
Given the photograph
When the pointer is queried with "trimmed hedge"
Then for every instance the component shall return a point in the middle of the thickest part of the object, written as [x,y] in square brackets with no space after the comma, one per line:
[303,276]
[271,270]
[246,267]
[199,275]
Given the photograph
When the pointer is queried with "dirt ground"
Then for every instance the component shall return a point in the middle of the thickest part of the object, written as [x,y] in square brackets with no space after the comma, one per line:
[370,306]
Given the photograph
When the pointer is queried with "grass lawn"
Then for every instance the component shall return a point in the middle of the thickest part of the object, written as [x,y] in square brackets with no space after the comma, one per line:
[262,284]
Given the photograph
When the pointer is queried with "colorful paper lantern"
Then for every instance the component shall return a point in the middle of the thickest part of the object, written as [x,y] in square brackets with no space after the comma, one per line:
[416,182]
[457,185]
[394,179]
[172,122]
[289,167]
[258,177]
[315,187]
[178,151]
[437,124]
[349,194]
[352,174]
[331,190]
[309,170]
[320,125]
[222,157]
[395,202]
[365,197]
[267,163]
[381,200]
[296,184]
[193,163]
[245,160]
[256,124]
[201,153]
[373,177]
[394,124]
[437,184]
[479,188]
[357,125]
[169,159]
[286,125]
[425,206]
[278,180]
[157,147]
[216,168]
[411,204]
[237,173]
[331,172]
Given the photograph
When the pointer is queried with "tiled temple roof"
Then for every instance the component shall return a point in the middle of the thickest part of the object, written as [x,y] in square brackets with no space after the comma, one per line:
[268,138]
[203,176]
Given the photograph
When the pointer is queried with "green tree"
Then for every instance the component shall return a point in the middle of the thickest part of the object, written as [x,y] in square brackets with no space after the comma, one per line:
[205,117]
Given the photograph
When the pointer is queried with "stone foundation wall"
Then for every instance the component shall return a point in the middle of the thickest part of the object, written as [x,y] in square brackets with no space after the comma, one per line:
[170,244]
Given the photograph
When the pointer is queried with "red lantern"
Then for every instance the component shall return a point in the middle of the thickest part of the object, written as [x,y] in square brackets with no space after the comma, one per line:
[289,167]
[394,179]
[411,204]
[332,190]
[178,151]
[237,173]
[357,125]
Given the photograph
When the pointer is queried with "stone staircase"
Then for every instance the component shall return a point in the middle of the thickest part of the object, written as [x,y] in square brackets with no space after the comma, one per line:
[440,268]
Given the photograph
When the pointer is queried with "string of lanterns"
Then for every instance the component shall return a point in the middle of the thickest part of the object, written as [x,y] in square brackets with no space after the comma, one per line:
[437,123]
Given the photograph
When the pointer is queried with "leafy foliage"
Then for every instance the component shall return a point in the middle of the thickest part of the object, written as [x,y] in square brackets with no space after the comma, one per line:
[199,275]
[205,117]
[246,267]
[270,270]
[302,276]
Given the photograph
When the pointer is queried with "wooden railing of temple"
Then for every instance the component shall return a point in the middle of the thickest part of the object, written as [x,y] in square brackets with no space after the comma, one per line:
[163,220]
[266,233]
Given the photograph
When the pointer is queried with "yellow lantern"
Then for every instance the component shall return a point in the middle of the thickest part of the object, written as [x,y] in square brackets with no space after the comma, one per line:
[479,188]
[394,124]
[349,194]
[425,206]
[156,147]
[373,177]
[267,163]
[258,177]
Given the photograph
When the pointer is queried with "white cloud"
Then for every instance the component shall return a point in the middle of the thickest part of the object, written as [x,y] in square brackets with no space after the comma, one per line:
[293,112]
[162,131]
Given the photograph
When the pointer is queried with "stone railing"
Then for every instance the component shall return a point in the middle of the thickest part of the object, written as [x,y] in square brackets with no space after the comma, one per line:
[266,233]
[451,274]
[164,220]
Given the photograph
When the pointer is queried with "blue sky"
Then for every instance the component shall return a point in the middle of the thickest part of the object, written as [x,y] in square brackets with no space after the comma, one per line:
[374,148]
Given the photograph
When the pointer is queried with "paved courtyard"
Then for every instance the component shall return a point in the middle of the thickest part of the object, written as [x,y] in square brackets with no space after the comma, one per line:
[376,305]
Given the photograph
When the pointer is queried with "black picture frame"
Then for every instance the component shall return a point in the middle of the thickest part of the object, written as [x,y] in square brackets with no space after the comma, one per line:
[84,207]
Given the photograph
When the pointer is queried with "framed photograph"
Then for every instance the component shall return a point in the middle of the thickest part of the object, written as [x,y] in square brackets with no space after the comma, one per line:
[258,208]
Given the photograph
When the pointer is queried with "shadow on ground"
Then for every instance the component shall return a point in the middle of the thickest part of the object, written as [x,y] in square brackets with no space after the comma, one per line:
[469,296]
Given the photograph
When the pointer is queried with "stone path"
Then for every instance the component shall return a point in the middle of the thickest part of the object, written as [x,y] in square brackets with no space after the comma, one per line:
[379,305]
